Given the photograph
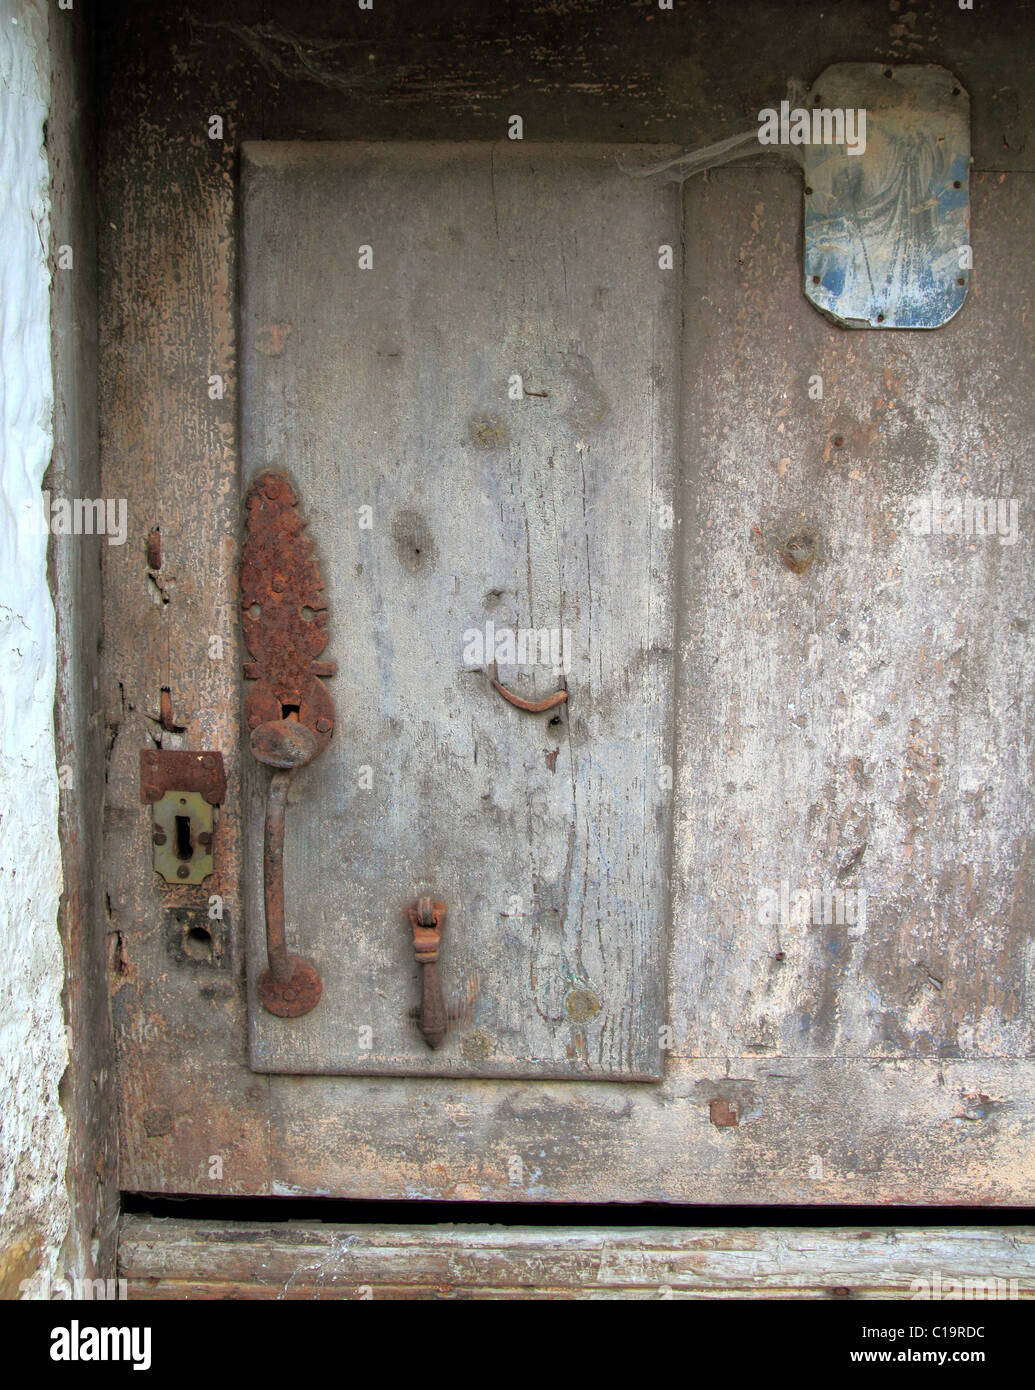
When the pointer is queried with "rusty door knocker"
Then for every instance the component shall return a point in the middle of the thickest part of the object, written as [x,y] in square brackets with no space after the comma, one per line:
[288,710]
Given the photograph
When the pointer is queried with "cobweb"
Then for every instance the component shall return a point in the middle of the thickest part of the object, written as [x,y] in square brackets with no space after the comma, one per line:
[739,145]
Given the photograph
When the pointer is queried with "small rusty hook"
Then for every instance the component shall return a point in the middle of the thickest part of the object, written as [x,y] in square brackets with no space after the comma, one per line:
[531,706]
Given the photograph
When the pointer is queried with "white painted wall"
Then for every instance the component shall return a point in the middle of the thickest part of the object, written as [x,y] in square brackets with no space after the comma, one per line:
[34,1205]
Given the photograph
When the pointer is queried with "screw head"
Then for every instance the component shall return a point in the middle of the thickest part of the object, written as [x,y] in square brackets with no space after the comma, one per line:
[158,837]
[183,871]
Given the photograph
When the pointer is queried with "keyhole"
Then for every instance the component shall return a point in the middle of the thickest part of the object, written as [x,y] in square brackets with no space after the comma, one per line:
[184,848]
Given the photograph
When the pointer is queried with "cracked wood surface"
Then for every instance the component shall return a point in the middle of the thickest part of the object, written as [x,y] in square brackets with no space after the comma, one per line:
[488,515]
[889,1068]
[172,1259]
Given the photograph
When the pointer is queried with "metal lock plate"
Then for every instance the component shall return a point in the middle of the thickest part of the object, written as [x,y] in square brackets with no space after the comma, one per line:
[182,788]
[181,831]
[887,216]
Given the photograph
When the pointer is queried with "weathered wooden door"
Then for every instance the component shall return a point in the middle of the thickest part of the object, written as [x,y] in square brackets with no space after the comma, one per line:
[742,919]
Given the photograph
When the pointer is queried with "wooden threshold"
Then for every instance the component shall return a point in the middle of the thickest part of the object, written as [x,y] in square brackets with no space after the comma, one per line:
[169,1258]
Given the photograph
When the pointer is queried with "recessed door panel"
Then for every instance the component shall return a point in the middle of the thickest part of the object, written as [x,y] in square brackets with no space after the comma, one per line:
[465,360]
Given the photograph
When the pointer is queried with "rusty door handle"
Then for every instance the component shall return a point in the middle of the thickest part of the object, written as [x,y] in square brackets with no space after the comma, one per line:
[288,709]
[290,986]
[426,919]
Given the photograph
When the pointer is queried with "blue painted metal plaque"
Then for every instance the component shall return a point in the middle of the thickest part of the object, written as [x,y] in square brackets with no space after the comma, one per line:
[887,209]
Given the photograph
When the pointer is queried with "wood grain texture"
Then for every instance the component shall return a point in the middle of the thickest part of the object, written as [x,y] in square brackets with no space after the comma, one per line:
[835,1104]
[167,276]
[593,70]
[856,1131]
[171,1259]
[862,726]
[393,389]
[88,1087]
